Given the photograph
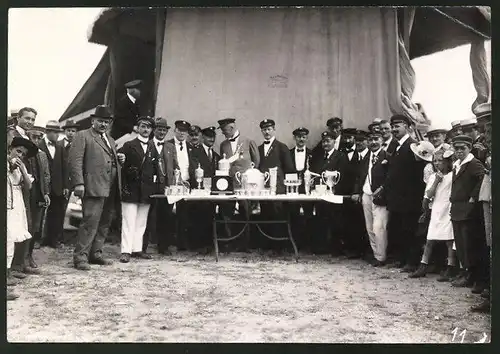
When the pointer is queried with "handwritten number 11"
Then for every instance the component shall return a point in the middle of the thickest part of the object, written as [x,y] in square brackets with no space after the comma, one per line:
[462,334]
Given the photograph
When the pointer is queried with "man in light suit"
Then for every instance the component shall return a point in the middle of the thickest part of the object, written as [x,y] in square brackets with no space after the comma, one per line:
[160,225]
[404,192]
[248,152]
[95,176]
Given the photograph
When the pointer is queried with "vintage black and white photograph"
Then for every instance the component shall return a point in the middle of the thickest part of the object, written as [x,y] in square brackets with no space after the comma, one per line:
[249,175]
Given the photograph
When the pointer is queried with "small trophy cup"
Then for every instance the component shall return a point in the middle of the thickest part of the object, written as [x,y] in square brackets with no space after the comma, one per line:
[199,173]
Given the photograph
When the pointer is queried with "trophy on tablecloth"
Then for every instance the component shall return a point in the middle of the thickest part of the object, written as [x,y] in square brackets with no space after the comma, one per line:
[198,174]
[331,178]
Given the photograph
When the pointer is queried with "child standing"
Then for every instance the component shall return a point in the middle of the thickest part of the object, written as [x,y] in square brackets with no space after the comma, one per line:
[17,180]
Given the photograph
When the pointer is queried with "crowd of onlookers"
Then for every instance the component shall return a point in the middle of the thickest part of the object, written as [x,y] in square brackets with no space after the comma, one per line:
[420,205]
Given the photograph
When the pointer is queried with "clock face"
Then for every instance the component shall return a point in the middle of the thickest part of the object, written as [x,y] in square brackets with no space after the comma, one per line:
[222,184]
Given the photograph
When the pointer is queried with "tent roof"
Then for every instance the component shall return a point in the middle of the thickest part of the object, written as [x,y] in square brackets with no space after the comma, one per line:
[435,28]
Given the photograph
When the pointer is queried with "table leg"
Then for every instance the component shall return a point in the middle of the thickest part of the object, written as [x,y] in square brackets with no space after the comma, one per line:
[216,243]
[289,228]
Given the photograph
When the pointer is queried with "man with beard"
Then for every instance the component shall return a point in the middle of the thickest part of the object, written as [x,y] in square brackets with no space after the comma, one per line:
[369,192]
[160,225]
[301,158]
[34,200]
[404,192]
[127,110]
[274,154]
[390,144]
[353,231]
[326,239]
[95,177]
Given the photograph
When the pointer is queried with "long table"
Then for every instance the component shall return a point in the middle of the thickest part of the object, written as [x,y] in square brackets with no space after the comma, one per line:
[330,198]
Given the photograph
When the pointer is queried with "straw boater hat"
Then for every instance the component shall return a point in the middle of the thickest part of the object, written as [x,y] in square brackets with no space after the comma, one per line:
[455,124]
[435,129]
[471,122]
[423,149]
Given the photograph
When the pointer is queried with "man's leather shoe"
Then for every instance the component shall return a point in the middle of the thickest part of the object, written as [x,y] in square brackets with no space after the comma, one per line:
[408,269]
[377,263]
[32,262]
[37,245]
[30,270]
[483,307]
[125,258]
[477,288]
[17,274]
[143,255]
[82,266]
[11,281]
[100,261]
[420,272]
[463,282]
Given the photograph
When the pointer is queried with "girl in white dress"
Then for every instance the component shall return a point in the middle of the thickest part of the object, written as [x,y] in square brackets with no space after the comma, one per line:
[17,180]
[438,192]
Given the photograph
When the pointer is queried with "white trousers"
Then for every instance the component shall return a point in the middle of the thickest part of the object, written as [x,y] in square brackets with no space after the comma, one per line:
[376,218]
[10,252]
[134,222]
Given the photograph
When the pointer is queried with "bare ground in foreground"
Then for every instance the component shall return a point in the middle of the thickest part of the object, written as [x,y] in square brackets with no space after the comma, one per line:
[243,298]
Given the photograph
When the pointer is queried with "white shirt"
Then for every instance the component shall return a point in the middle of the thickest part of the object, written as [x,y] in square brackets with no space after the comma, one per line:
[351,153]
[268,146]
[363,153]
[387,143]
[159,148]
[50,146]
[106,139]
[457,165]
[330,152]
[367,189]
[300,159]
[234,144]
[66,142]
[337,143]
[402,140]
[145,141]
[22,132]
[130,97]
[182,158]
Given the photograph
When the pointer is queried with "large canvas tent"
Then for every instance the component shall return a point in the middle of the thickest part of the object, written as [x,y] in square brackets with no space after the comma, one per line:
[298,66]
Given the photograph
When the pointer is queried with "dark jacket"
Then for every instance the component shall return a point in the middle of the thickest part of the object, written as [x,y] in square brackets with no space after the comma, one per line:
[378,173]
[59,169]
[167,163]
[125,117]
[336,162]
[466,184]
[139,172]
[392,146]
[278,155]
[199,156]
[351,171]
[404,184]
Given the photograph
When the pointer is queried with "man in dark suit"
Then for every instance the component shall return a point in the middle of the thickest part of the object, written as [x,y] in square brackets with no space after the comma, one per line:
[160,219]
[361,146]
[326,238]
[195,136]
[127,110]
[368,190]
[353,234]
[390,144]
[479,149]
[52,147]
[468,229]
[205,157]
[404,192]
[335,126]
[95,177]
[183,156]
[301,158]
[34,200]
[139,182]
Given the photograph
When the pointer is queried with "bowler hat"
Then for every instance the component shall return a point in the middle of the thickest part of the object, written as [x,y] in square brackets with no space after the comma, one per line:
[19,141]
[133,84]
[423,149]
[300,131]
[334,122]
[399,118]
[161,122]
[182,125]
[225,121]
[102,111]
[53,125]
[267,123]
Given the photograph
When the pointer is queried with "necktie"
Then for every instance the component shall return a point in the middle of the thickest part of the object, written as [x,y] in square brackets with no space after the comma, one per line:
[210,154]
[160,143]
[374,159]
[103,137]
[181,146]
[234,138]
[267,142]
[143,143]
[300,150]
[326,156]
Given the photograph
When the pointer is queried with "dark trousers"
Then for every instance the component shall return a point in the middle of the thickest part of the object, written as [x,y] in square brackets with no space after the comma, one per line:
[354,235]
[200,233]
[327,230]
[161,227]
[472,251]
[94,228]
[55,220]
[301,224]
[182,217]
[403,231]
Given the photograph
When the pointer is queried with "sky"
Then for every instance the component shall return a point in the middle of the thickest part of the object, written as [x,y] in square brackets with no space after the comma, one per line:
[49,60]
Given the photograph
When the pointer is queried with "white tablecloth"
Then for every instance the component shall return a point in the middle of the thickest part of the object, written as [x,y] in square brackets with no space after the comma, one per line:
[330,198]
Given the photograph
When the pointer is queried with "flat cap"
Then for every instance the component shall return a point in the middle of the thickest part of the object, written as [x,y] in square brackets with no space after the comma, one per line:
[327,135]
[161,122]
[267,123]
[209,131]
[472,122]
[182,125]
[374,134]
[225,121]
[399,118]
[133,84]
[194,130]
[146,119]
[462,139]
[334,122]
[350,131]
[361,134]
[300,131]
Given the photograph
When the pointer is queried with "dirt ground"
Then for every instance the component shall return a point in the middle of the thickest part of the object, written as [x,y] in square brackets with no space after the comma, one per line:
[243,298]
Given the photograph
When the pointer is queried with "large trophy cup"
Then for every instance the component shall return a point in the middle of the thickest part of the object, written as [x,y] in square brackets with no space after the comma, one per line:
[331,178]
